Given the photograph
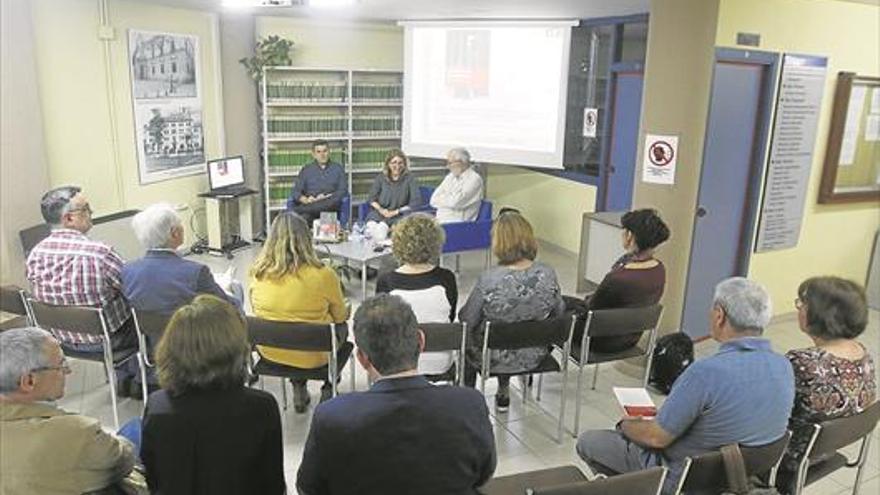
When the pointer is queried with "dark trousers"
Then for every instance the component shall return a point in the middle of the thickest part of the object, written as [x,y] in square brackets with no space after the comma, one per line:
[312,211]
[470,377]
[121,340]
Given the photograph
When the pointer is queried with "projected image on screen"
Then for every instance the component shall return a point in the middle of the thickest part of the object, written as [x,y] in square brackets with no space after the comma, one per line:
[498,90]
[467,63]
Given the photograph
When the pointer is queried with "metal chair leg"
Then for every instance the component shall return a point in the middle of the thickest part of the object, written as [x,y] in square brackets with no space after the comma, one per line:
[143,370]
[284,393]
[578,400]
[352,370]
[595,376]
[108,368]
[540,385]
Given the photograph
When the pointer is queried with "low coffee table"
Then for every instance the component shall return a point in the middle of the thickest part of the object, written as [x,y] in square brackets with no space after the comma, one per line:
[360,251]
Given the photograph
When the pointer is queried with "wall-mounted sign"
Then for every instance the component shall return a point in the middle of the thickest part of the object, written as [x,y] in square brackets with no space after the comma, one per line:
[799,100]
[591,122]
[661,155]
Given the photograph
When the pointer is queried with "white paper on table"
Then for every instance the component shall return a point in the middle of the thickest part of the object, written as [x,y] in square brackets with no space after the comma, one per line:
[851,126]
[224,280]
[872,127]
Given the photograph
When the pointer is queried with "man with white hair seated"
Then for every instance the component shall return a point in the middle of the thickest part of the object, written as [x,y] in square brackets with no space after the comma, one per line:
[45,449]
[458,197]
[163,281]
[743,394]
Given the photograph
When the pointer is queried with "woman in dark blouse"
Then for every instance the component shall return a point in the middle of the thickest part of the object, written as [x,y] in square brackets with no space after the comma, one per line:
[395,191]
[205,433]
[836,376]
[636,279]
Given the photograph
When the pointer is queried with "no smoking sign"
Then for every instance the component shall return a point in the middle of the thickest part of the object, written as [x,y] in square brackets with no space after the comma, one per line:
[658,166]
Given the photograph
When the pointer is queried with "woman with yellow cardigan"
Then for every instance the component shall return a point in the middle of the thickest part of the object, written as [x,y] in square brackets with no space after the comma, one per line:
[289,283]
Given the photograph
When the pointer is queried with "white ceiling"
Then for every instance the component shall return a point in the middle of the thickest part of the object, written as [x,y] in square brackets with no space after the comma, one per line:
[394,10]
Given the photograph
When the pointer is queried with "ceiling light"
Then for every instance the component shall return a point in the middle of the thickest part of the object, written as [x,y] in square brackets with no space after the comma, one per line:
[330,4]
[243,4]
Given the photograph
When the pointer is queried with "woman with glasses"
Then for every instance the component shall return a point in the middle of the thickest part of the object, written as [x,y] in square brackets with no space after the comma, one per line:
[205,433]
[518,289]
[290,283]
[835,377]
[395,191]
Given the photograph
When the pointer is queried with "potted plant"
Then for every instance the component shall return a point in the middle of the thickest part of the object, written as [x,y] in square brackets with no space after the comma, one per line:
[271,51]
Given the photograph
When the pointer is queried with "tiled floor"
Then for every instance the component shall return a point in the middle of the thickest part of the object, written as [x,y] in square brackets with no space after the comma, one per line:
[524,435]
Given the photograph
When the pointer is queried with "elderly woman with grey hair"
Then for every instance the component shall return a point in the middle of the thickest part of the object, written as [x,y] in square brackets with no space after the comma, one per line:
[457,198]
[162,280]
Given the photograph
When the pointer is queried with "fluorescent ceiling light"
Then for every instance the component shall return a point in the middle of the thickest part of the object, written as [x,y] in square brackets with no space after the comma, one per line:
[243,4]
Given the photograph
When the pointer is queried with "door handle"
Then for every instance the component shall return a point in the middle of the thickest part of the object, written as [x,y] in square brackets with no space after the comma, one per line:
[701,212]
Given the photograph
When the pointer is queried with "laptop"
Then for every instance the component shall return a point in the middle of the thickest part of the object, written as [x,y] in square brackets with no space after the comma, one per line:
[226,176]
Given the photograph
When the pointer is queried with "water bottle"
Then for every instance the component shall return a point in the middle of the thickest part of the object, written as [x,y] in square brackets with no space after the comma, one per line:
[357,231]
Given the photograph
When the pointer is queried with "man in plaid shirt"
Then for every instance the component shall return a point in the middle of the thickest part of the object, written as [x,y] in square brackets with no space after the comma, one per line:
[69,269]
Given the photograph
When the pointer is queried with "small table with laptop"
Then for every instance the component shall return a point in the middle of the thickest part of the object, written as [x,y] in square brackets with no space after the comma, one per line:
[228,199]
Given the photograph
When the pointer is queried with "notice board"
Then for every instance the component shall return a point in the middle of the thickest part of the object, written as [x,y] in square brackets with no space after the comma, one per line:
[798,102]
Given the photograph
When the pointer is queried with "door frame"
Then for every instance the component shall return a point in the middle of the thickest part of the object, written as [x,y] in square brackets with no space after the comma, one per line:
[763,131]
[637,67]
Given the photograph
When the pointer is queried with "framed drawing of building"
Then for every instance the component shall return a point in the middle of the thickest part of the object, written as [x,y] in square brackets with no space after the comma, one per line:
[167,104]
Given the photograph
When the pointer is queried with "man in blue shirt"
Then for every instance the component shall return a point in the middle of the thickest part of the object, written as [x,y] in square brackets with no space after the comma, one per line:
[319,186]
[743,394]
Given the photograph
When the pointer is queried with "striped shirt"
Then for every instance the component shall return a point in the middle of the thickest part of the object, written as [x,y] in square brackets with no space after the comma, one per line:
[69,269]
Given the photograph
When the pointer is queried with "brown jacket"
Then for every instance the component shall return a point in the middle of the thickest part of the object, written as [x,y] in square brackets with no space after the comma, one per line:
[45,450]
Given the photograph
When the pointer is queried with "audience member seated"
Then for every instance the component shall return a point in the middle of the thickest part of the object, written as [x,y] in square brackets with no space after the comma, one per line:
[289,283]
[430,290]
[834,378]
[162,281]
[45,449]
[404,435]
[205,433]
[743,394]
[395,192]
[457,198]
[518,289]
[69,269]
[319,186]
[635,280]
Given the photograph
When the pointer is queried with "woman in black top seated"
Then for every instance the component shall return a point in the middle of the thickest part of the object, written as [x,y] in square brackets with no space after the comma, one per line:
[636,279]
[205,432]
[395,192]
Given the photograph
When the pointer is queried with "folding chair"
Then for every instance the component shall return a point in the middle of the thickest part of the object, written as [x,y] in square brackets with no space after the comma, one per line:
[706,472]
[644,482]
[444,337]
[296,336]
[521,482]
[822,457]
[12,301]
[525,334]
[613,322]
[85,320]
[148,324]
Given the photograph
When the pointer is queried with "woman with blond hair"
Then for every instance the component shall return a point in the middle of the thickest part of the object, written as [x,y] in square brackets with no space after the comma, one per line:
[518,289]
[205,432]
[289,283]
[429,289]
[395,191]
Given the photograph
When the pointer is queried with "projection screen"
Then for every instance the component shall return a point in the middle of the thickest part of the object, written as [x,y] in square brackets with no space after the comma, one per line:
[498,88]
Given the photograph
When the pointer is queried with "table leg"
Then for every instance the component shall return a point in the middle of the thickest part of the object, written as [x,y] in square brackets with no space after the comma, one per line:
[364,280]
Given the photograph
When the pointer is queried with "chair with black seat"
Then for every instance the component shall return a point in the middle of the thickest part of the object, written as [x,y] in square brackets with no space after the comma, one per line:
[12,302]
[149,326]
[615,322]
[443,337]
[705,473]
[297,336]
[822,457]
[521,482]
[644,482]
[524,334]
[85,320]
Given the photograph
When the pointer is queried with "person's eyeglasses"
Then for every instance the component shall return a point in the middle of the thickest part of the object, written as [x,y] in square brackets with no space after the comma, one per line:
[64,366]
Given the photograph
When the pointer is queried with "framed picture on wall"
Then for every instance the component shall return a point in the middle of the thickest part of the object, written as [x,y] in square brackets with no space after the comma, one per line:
[167,104]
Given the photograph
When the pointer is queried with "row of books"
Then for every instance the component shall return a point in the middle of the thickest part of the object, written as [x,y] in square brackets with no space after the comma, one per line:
[298,158]
[280,189]
[308,90]
[366,125]
[321,91]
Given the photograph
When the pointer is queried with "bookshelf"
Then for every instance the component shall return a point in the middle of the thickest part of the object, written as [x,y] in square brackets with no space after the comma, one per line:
[358,111]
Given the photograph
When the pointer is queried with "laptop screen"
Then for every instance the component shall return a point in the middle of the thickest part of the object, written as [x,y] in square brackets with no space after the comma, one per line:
[226,172]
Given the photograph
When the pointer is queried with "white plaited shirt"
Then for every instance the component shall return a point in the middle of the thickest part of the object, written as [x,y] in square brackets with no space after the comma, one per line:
[457,199]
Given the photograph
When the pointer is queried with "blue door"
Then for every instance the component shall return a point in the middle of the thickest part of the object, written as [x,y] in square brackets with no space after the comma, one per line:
[626,109]
[733,162]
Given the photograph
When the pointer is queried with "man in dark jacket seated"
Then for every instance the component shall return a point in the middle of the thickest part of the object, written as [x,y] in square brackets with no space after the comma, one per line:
[404,435]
